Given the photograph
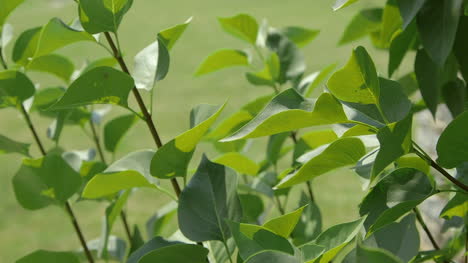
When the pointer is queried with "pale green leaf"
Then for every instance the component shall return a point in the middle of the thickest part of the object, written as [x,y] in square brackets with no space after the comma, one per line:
[116,129]
[367,21]
[8,145]
[285,224]
[240,163]
[341,153]
[241,26]
[289,111]
[54,64]
[222,59]
[299,35]
[151,65]
[339,4]
[170,35]
[43,256]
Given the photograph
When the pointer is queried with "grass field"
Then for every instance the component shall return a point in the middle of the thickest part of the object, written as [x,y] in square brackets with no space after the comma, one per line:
[23,231]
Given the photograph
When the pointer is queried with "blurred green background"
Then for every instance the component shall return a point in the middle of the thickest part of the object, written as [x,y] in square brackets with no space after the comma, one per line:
[337,194]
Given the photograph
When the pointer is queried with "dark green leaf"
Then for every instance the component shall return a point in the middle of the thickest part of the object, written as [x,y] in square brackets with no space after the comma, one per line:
[207,201]
[437,26]
[102,85]
[151,65]
[8,145]
[391,23]
[241,26]
[399,46]
[252,207]
[365,22]
[395,141]
[371,255]
[222,59]
[148,247]
[452,147]
[15,88]
[26,44]
[457,206]
[289,111]
[274,257]
[275,144]
[310,223]
[40,182]
[116,129]
[409,9]
[461,42]
[43,256]
[176,254]
[455,96]
[292,62]
[98,16]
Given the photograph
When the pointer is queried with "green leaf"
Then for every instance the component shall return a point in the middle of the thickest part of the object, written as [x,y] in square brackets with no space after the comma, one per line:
[333,240]
[285,224]
[238,162]
[299,35]
[98,16]
[275,144]
[370,255]
[310,83]
[395,195]
[218,252]
[101,62]
[252,240]
[222,59]
[399,46]
[400,238]
[289,111]
[341,153]
[453,142]
[252,207]
[176,254]
[367,21]
[116,129]
[112,212]
[162,223]
[151,65]
[150,246]
[170,35]
[40,182]
[129,172]
[6,35]
[6,7]
[241,26]
[339,4]
[437,26]
[391,22]
[457,206]
[461,42]
[15,88]
[102,85]
[274,257]
[56,34]
[395,141]
[310,223]
[209,199]
[54,64]
[8,145]
[292,62]
[357,82]
[409,10]
[269,75]
[43,256]
[173,158]
[25,45]
[429,77]
[455,96]
[413,161]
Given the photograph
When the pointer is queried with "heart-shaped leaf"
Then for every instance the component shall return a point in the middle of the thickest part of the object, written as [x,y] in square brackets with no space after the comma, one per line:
[241,26]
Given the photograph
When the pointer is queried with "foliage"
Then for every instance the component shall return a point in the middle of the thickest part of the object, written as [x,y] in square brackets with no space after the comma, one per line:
[359,119]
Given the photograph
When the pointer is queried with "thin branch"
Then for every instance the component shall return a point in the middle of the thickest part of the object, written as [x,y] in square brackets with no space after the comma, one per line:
[2,60]
[279,205]
[68,208]
[97,141]
[425,228]
[147,116]
[439,168]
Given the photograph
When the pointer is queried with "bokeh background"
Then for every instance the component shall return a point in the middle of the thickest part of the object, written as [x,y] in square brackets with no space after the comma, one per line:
[337,194]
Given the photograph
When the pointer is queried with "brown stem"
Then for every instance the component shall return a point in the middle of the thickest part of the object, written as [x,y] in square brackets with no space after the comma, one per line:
[123,216]
[309,189]
[2,60]
[67,204]
[441,170]
[147,116]
[425,228]
[79,232]
[97,141]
